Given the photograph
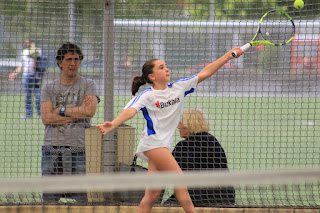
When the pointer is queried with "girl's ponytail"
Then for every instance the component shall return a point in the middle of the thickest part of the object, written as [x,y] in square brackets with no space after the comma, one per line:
[140,80]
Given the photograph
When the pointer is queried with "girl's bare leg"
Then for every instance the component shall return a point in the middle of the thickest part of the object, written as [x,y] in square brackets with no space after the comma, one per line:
[184,199]
[161,159]
[150,197]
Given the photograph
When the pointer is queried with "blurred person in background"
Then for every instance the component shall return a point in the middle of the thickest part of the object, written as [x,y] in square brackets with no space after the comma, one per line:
[201,151]
[31,84]
[67,106]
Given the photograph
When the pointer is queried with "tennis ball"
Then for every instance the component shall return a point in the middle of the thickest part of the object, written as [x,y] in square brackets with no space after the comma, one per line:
[298,4]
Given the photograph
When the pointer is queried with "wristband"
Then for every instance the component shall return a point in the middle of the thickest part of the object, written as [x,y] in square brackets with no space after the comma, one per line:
[62,111]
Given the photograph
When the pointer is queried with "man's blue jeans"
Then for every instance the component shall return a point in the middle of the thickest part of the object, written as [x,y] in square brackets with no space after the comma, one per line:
[59,163]
[31,86]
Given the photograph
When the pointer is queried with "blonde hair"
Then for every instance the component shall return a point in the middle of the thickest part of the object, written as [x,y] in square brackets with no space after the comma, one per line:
[195,120]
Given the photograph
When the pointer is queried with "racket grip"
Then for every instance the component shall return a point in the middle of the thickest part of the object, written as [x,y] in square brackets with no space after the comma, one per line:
[243,48]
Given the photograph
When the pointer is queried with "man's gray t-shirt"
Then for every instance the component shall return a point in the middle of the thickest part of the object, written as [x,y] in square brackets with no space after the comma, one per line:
[70,134]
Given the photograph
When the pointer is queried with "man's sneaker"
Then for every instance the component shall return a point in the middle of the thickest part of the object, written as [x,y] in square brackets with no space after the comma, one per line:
[67,200]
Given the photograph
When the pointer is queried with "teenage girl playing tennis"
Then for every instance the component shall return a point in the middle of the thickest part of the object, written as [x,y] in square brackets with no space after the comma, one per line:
[162,107]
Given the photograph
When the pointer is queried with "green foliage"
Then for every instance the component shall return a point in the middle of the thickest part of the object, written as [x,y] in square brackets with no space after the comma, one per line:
[201,9]
[311,9]
[7,50]
[196,9]
[166,9]
[239,9]
[11,7]
[146,9]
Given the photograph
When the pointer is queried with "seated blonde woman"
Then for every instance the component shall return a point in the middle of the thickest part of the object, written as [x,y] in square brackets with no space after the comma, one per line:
[201,151]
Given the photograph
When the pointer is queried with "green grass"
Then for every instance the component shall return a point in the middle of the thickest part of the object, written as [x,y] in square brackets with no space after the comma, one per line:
[260,133]
[256,133]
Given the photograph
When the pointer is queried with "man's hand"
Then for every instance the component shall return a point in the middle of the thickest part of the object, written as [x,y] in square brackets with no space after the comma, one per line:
[12,76]
[87,101]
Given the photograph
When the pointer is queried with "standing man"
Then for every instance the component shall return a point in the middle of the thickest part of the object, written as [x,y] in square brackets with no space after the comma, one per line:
[30,83]
[67,106]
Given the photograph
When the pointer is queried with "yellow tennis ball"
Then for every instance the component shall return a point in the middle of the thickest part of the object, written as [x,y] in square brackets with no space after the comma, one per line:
[298,4]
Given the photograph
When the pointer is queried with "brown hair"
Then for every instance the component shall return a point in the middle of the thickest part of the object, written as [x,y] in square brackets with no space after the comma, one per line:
[140,80]
[68,47]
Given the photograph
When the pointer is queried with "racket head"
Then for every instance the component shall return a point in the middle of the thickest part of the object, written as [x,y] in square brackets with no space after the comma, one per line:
[276,28]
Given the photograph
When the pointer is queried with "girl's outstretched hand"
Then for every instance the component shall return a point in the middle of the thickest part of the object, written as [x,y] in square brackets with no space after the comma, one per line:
[106,127]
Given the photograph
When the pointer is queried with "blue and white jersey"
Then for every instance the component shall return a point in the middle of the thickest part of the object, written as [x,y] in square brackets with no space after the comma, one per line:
[162,110]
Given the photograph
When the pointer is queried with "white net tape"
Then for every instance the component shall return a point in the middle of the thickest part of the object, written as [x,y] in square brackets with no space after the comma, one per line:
[139,181]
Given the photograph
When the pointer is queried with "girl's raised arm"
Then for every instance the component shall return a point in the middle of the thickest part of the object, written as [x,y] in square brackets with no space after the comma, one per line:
[213,67]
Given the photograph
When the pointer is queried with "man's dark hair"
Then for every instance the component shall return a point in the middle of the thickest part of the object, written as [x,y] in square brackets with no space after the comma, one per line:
[68,47]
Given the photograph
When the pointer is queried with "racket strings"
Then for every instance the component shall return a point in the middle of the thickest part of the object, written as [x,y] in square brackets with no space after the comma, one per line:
[276,28]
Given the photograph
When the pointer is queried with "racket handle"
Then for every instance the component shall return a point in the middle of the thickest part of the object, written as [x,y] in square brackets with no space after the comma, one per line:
[243,48]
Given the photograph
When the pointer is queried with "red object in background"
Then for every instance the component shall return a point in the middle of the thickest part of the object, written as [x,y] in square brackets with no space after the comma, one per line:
[305,54]
[259,47]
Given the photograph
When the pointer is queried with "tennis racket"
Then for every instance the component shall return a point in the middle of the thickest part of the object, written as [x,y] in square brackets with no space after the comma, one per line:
[275,28]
